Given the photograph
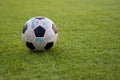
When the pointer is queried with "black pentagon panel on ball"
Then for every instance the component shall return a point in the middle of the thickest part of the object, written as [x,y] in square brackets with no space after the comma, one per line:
[49,45]
[40,17]
[30,45]
[39,31]
[24,28]
[54,28]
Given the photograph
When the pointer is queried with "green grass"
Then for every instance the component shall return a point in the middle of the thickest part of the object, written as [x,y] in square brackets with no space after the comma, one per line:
[88,46]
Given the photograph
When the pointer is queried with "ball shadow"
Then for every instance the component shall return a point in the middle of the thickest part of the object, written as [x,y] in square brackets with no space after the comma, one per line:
[53,51]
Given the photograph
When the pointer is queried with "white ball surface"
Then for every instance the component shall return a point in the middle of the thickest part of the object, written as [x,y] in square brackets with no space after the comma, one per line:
[39,33]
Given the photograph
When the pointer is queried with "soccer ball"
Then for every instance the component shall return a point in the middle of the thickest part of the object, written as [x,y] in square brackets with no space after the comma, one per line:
[39,33]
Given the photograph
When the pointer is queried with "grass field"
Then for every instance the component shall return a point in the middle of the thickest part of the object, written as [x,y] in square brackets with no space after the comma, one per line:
[88,46]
